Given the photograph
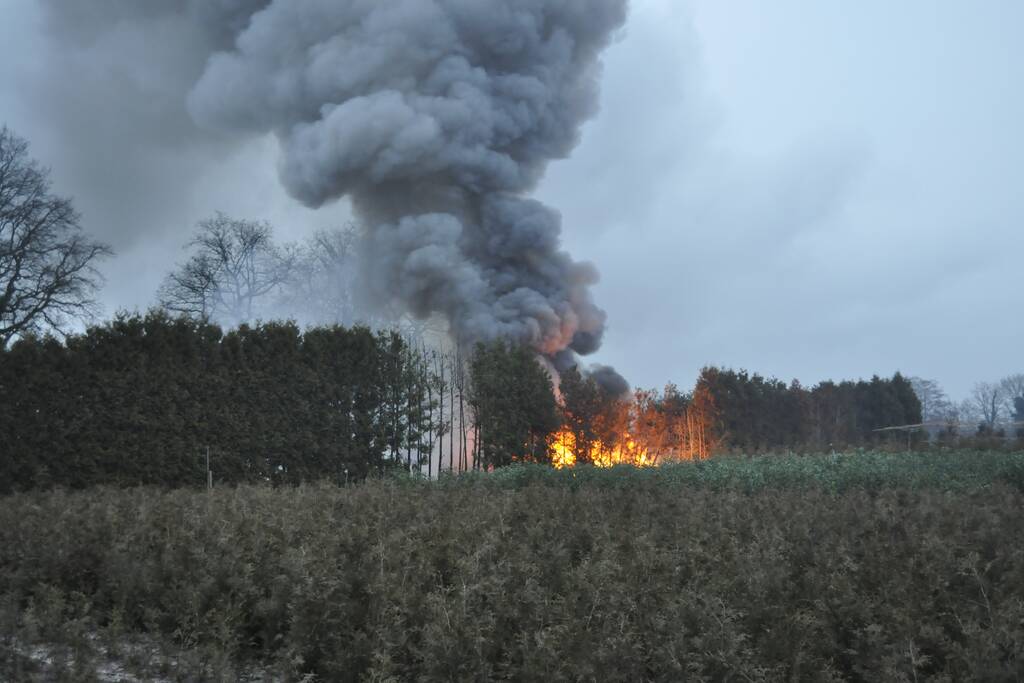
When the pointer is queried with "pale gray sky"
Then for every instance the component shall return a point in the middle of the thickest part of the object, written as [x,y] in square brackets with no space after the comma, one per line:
[810,189]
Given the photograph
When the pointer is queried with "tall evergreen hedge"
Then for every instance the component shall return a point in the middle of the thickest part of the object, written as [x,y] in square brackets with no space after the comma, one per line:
[139,399]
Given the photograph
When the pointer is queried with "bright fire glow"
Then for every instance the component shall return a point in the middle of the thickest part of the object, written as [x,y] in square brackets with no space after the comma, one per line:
[563,452]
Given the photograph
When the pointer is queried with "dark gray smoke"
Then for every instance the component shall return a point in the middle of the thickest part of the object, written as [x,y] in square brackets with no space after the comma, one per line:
[436,117]
[610,380]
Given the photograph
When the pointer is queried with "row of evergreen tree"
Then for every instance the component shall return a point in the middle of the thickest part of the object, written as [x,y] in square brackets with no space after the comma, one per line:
[140,399]
[755,413]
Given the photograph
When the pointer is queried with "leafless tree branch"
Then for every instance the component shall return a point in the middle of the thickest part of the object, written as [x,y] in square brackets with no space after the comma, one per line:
[48,270]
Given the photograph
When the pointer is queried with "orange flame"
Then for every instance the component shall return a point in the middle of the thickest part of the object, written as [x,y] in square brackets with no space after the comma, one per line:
[563,452]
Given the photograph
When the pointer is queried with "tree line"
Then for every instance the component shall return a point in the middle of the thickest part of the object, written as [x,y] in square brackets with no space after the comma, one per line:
[139,399]
[756,413]
[993,409]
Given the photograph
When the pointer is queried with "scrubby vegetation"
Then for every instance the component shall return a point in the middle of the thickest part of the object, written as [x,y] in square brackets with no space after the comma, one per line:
[863,566]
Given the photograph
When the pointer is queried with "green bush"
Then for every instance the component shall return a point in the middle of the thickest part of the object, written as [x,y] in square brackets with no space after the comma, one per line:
[854,567]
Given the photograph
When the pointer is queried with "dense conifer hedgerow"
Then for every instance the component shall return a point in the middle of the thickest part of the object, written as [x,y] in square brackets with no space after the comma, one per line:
[139,399]
[756,413]
[682,573]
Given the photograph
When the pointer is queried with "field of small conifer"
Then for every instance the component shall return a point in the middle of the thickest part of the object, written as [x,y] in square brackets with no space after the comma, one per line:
[860,566]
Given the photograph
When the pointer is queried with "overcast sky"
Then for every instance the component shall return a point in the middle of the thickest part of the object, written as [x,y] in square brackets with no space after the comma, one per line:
[809,189]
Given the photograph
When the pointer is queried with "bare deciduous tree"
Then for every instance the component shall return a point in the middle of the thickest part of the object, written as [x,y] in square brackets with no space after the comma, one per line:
[236,268]
[935,404]
[1013,392]
[320,288]
[47,265]
[987,399]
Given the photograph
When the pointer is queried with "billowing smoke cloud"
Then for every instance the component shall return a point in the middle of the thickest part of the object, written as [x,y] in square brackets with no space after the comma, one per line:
[437,118]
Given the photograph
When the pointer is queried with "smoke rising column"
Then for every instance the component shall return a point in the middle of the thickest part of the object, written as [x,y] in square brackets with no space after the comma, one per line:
[437,118]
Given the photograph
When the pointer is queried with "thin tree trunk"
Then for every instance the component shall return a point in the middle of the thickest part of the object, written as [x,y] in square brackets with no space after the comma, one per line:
[451,438]
[394,410]
[440,449]
[425,380]
[463,455]
[409,392]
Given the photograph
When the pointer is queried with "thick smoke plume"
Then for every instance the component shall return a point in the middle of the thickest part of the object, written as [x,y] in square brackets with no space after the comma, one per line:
[437,118]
